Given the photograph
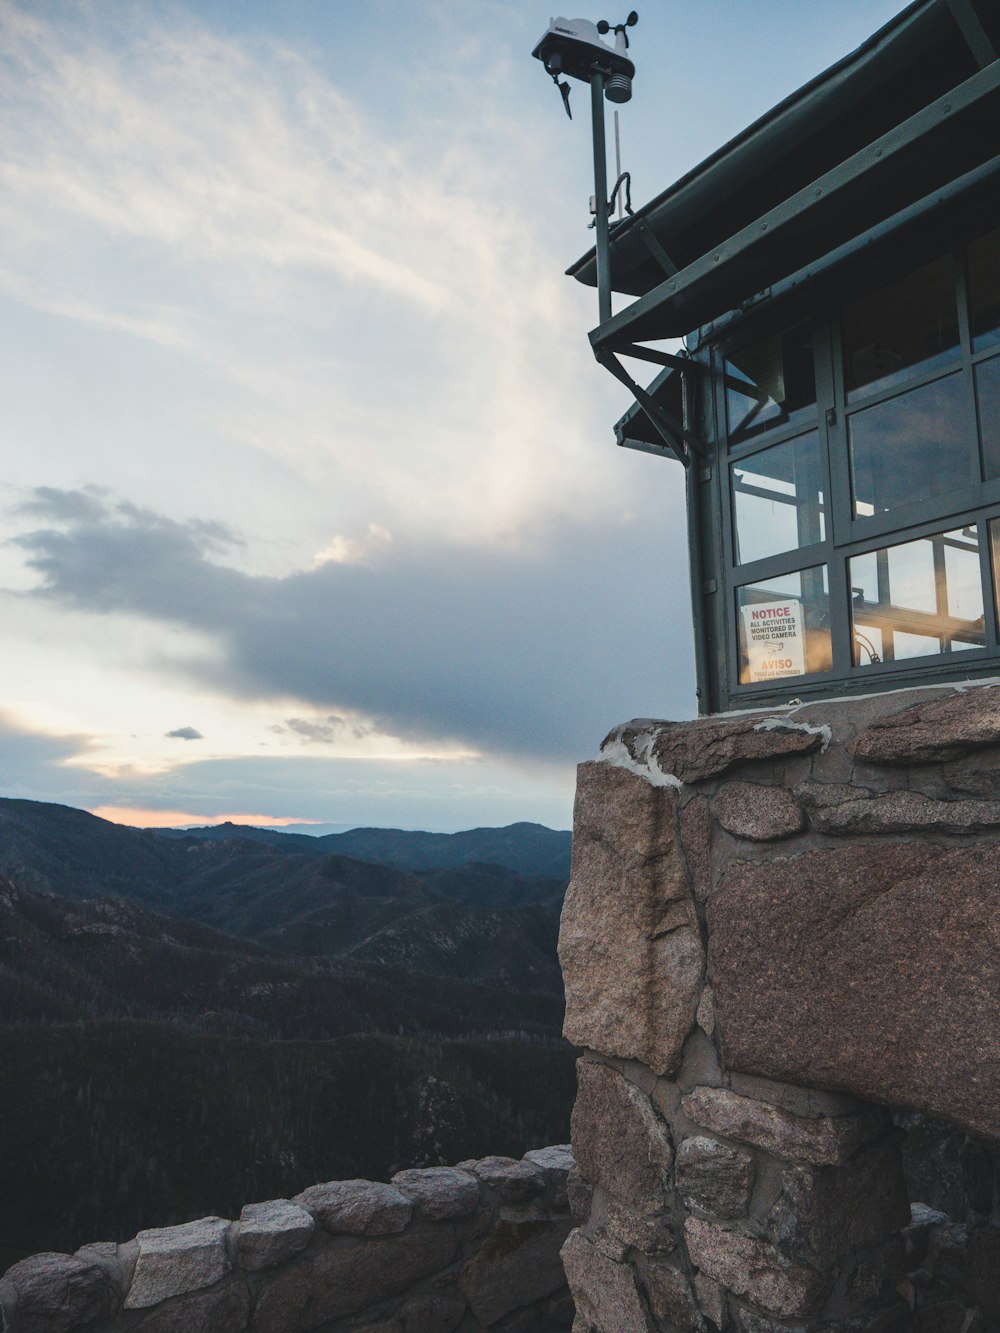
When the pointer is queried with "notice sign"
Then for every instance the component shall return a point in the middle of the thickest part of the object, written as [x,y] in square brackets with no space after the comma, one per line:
[775,639]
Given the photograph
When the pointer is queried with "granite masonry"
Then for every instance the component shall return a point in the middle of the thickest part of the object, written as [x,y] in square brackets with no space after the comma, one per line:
[781,942]
[461,1248]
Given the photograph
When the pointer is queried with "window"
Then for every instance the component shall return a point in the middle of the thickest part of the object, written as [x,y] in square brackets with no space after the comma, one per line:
[784,626]
[918,598]
[984,290]
[892,332]
[770,382]
[778,499]
[862,482]
[988,410]
[912,447]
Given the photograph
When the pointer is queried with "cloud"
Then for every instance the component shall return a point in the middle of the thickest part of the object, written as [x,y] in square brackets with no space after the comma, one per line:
[531,652]
[185,734]
[327,731]
[283,791]
[349,283]
[140,817]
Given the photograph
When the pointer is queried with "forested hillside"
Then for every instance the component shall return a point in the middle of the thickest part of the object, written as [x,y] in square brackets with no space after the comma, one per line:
[189,1024]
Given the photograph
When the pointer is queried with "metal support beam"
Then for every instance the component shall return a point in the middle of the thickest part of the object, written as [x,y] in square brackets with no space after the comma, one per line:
[655,248]
[670,430]
[843,192]
[976,37]
[658,358]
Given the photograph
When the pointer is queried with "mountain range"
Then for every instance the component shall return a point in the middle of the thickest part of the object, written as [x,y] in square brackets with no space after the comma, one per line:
[192,1020]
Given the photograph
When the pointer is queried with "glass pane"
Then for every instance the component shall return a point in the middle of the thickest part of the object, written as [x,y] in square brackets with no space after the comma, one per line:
[984,290]
[913,447]
[918,599]
[778,500]
[913,322]
[988,405]
[771,381]
[783,625]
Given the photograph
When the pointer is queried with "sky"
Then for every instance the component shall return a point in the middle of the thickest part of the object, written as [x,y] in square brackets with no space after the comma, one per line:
[312,511]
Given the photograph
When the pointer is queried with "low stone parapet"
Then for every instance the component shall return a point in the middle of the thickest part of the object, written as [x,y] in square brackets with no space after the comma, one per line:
[471,1247]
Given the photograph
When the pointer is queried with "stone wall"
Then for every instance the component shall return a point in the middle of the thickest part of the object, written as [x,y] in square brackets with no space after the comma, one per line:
[466,1248]
[780,926]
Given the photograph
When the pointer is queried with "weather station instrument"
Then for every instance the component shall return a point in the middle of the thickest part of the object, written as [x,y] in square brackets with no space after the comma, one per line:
[575,49]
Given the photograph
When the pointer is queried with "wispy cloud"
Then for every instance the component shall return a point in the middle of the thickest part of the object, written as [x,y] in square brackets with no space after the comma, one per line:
[383,309]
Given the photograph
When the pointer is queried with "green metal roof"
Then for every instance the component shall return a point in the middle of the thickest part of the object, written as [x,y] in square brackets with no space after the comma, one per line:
[911,110]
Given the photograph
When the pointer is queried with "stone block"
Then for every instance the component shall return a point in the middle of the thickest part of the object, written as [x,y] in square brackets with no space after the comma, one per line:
[272,1232]
[751,1268]
[441,1191]
[823,974]
[556,1162]
[284,1295]
[711,1298]
[699,1064]
[709,746]
[820,1140]
[845,810]
[517,1264]
[825,1212]
[945,1259]
[761,814]
[982,1270]
[176,1260]
[348,1276]
[695,828]
[651,1235]
[629,943]
[917,1233]
[671,1298]
[790,1097]
[714,1177]
[357,1207]
[941,1317]
[512,1181]
[605,1293]
[224,1309]
[57,1293]
[433,1312]
[579,1194]
[937,730]
[619,1141]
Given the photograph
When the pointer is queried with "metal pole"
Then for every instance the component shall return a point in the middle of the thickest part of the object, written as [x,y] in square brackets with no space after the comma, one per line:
[618,163]
[601,197]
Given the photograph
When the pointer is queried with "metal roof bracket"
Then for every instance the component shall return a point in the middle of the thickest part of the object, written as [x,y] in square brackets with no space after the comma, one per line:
[976,37]
[682,443]
[656,249]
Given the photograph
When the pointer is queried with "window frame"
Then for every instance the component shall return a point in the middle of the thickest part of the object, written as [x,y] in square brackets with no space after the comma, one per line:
[846,535]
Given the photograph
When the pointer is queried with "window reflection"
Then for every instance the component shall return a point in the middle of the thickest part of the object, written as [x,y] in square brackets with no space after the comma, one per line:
[783,626]
[770,381]
[918,599]
[778,499]
[984,289]
[913,322]
[988,408]
[911,448]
